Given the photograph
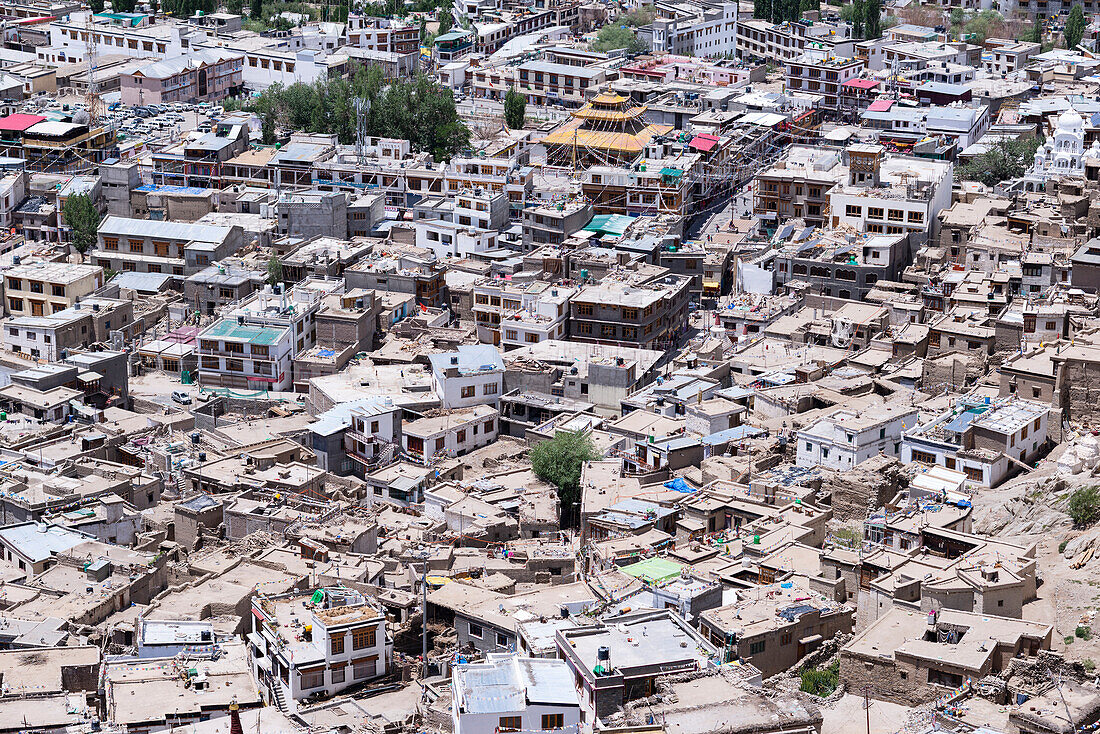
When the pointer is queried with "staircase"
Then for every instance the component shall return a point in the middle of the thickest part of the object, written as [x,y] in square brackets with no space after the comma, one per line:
[277,697]
[181,485]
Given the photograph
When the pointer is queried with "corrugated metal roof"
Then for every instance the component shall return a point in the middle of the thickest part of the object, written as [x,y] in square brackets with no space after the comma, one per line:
[126,227]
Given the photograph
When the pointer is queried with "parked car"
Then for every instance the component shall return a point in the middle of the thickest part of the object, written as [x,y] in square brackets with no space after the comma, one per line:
[181,397]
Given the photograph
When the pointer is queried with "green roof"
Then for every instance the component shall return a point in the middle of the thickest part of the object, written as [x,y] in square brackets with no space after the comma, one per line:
[229,329]
[609,224]
[653,570]
[674,172]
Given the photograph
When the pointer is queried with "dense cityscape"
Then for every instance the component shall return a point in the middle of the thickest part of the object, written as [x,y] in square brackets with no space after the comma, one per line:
[549,367]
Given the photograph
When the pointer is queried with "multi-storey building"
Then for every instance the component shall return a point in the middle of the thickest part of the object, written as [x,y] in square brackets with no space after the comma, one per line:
[450,433]
[42,288]
[382,34]
[634,309]
[175,248]
[821,72]
[317,643]
[512,315]
[709,31]
[781,42]
[203,75]
[254,346]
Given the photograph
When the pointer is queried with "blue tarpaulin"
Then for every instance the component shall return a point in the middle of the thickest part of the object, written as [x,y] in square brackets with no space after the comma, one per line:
[679,485]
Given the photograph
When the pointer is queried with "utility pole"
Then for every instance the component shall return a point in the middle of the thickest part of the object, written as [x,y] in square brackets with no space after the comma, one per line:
[424,626]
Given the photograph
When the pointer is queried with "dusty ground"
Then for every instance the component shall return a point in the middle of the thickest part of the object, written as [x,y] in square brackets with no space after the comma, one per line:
[1068,598]
[848,716]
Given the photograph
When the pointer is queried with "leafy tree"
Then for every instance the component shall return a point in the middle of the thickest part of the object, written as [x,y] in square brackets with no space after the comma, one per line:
[267,127]
[640,16]
[1035,33]
[1075,27]
[857,18]
[984,24]
[1084,506]
[96,5]
[872,11]
[559,461]
[123,6]
[515,106]
[82,216]
[423,29]
[446,21]
[256,9]
[274,270]
[1008,158]
[760,9]
[613,36]
[958,17]
[808,5]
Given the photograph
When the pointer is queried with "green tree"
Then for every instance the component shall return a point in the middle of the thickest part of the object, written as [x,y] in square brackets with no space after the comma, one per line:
[760,9]
[559,462]
[274,270]
[1084,506]
[613,36]
[256,9]
[1006,159]
[96,6]
[446,21]
[855,15]
[809,5]
[872,11]
[982,25]
[1075,27]
[83,218]
[515,107]
[123,6]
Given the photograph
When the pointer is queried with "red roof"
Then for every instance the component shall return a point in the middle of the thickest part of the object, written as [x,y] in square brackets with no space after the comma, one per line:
[704,142]
[861,83]
[19,122]
[880,105]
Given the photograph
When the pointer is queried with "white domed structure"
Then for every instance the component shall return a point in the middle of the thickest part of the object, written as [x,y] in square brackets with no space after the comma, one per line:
[1062,153]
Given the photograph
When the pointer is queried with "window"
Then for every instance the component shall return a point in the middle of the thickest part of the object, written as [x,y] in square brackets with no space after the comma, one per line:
[312,678]
[110,243]
[364,668]
[502,640]
[916,217]
[338,644]
[374,426]
[973,474]
[923,457]
[489,388]
[553,721]
[337,674]
[607,331]
[489,425]
[510,723]
[785,638]
[756,648]
[896,215]
[15,284]
[853,211]
[630,314]
[476,630]
[461,436]
[584,309]
[15,304]
[363,638]
[468,391]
